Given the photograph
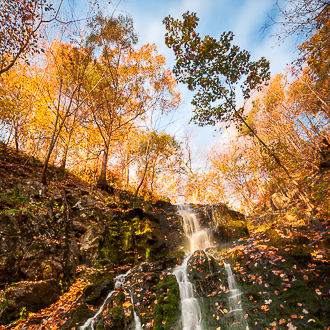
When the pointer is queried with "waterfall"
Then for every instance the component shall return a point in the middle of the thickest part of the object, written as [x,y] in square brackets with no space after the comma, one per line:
[191,314]
[119,281]
[199,240]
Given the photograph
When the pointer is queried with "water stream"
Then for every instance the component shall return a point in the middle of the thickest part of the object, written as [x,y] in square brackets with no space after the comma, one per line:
[137,321]
[119,282]
[235,294]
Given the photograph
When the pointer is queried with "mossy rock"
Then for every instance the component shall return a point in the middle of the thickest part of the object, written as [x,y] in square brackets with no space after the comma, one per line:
[276,240]
[227,233]
[167,311]
[78,317]
[97,292]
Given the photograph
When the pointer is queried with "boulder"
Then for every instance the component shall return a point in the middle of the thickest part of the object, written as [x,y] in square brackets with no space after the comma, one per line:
[28,296]
[95,294]
[89,246]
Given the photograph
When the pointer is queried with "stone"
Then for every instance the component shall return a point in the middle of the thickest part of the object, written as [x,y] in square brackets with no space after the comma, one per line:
[78,206]
[79,227]
[89,248]
[95,294]
[32,296]
[34,189]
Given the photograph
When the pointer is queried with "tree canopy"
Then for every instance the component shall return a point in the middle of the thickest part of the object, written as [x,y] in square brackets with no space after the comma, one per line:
[213,69]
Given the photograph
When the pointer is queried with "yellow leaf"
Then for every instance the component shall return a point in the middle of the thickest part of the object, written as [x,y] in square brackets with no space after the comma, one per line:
[127,304]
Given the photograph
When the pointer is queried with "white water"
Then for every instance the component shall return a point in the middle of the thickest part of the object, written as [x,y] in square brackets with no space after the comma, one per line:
[191,314]
[199,240]
[137,321]
[119,281]
[235,306]
[235,294]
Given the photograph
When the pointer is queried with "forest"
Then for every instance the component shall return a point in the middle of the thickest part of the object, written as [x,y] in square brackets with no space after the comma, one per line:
[89,184]
[89,104]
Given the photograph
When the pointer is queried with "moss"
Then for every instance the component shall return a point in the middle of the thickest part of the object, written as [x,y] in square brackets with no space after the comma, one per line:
[166,310]
[80,315]
[179,254]
[147,254]
[116,313]
[231,232]
[99,325]
[148,207]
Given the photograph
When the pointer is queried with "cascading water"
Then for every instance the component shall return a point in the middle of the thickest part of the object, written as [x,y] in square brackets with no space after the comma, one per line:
[119,282]
[137,321]
[199,240]
[235,307]
[235,294]
[191,312]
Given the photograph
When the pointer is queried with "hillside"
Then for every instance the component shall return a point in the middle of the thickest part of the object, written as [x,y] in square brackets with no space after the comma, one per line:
[62,246]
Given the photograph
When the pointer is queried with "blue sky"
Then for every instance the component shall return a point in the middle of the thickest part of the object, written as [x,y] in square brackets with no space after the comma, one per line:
[244,17]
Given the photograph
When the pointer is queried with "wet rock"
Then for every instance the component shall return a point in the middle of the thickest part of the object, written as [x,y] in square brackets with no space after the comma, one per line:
[165,206]
[77,317]
[96,293]
[117,313]
[226,233]
[152,216]
[199,265]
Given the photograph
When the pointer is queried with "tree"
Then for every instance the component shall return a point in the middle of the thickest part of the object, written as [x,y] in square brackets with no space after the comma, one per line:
[62,90]
[299,17]
[20,23]
[135,81]
[213,68]
[155,153]
[16,103]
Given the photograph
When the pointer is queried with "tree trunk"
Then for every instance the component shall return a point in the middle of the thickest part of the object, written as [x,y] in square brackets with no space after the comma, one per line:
[43,179]
[65,155]
[102,180]
[141,182]
[16,140]
[127,176]
[153,177]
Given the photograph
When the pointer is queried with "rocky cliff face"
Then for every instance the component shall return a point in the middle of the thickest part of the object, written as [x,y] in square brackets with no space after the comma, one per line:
[48,233]
[45,233]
